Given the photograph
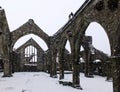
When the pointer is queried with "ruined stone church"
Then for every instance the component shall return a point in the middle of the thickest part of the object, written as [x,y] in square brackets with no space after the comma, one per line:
[31,57]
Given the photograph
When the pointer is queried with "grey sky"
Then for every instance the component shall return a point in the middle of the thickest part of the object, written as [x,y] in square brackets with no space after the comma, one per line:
[49,15]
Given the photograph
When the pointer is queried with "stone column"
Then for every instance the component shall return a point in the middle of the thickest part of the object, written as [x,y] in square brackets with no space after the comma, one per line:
[76,71]
[50,63]
[61,64]
[116,73]
[61,69]
[87,67]
[115,58]
[7,71]
[54,70]
[109,70]
[22,57]
[52,58]
[75,62]
[91,66]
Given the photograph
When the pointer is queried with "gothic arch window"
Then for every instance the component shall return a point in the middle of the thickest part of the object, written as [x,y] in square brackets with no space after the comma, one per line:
[31,54]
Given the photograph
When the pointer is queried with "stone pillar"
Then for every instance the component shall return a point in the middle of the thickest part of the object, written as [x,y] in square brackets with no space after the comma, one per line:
[91,66]
[76,71]
[22,57]
[87,44]
[54,70]
[103,69]
[75,64]
[116,66]
[87,58]
[61,69]
[109,70]
[61,62]
[52,57]
[7,69]
[50,63]
[116,73]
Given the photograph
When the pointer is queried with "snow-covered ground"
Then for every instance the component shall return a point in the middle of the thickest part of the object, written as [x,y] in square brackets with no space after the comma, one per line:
[41,82]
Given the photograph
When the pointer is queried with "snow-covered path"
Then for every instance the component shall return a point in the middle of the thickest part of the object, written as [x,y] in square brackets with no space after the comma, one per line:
[41,82]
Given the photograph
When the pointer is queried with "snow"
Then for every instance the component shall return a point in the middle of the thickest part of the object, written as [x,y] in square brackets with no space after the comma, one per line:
[41,82]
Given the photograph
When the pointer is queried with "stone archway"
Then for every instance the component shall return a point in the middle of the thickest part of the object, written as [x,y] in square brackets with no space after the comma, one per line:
[28,28]
[99,35]
[62,57]
[88,46]
[104,12]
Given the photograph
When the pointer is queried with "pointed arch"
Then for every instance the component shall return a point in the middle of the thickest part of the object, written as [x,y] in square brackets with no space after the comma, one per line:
[28,28]
[25,38]
[99,34]
[30,42]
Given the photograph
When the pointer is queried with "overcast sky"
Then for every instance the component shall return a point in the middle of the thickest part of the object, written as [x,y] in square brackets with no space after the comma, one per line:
[50,16]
